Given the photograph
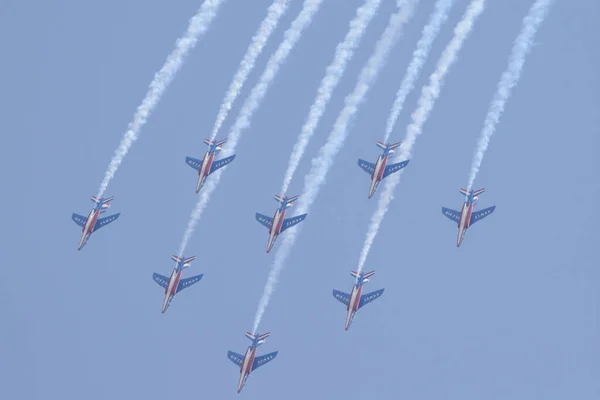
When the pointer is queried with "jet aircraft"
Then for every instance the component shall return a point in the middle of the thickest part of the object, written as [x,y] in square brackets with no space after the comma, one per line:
[249,362]
[380,169]
[208,165]
[279,223]
[466,217]
[355,300]
[174,284]
[91,224]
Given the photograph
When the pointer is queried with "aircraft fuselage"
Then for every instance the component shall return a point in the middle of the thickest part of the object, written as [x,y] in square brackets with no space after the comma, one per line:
[246,367]
[204,169]
[377,174]
[171,288]
[353,303]
[275,227]
[88,228]
[464,222]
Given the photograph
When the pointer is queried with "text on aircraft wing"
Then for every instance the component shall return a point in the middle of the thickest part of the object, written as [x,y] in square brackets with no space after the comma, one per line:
[341,297]
[289,222]
[221,163]
[105,221]
[452,214]
[184,283]
[481,214]
[161,280]
[369,297]
[79,219]
[264,220]
[390,169]
[193,162]
[366,166]
[262,360]
[235,358]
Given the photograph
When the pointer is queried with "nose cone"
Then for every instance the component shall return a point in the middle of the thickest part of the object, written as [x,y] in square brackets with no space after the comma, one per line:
[165,304]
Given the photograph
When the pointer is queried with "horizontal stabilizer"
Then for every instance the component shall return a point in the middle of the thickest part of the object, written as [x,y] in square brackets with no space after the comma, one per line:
[366,166]
[220,163]
[390,169]
[289,222]
[451,214]
[341,297]
[369,297]
[262,360]
[395,145]
[161,280]
[79,219]
[187,282]
[481,214]
[381,145]
[264,220]
[188,261]
[193,162]
[105,221]
[175,258]
[235,358]
[102,200]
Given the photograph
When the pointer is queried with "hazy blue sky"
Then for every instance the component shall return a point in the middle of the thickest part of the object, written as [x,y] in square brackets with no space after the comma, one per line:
[511,314]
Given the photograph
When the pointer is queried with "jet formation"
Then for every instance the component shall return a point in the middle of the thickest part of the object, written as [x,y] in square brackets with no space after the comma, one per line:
[276,225]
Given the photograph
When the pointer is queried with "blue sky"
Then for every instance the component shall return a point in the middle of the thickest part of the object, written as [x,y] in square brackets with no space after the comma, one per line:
[511,314]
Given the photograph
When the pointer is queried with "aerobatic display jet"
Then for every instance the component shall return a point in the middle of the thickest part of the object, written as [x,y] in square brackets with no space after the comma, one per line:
[208,165]
[249,362]
[466,217]
[279,223]
[174,284]
[355,300]
[380,170]
[91,224]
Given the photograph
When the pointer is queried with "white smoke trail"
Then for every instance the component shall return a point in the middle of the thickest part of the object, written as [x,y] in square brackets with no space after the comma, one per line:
[343,54]
[509,79]
[259,91]
[268,25]
[321,164]
[197,26]
[429,95]
[419,57]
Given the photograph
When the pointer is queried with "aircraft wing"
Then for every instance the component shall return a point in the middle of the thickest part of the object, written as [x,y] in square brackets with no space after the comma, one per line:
[236,358]
[184,283]
[289,222]
[221,163]
[341,297]
[390,169]
[366,166]
[161,280]
[193,162]
[369,297]
[262,360]
[264,220]
[79,219]
[481,214]
[105,221]
[452,214]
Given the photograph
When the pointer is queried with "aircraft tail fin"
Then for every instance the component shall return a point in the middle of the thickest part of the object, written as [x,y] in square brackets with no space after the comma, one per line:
[175,258]
[475,192]
[104,202]
[217,144]
[365,277]
[261,337]
[288,201]
[381,145]
[188,261]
